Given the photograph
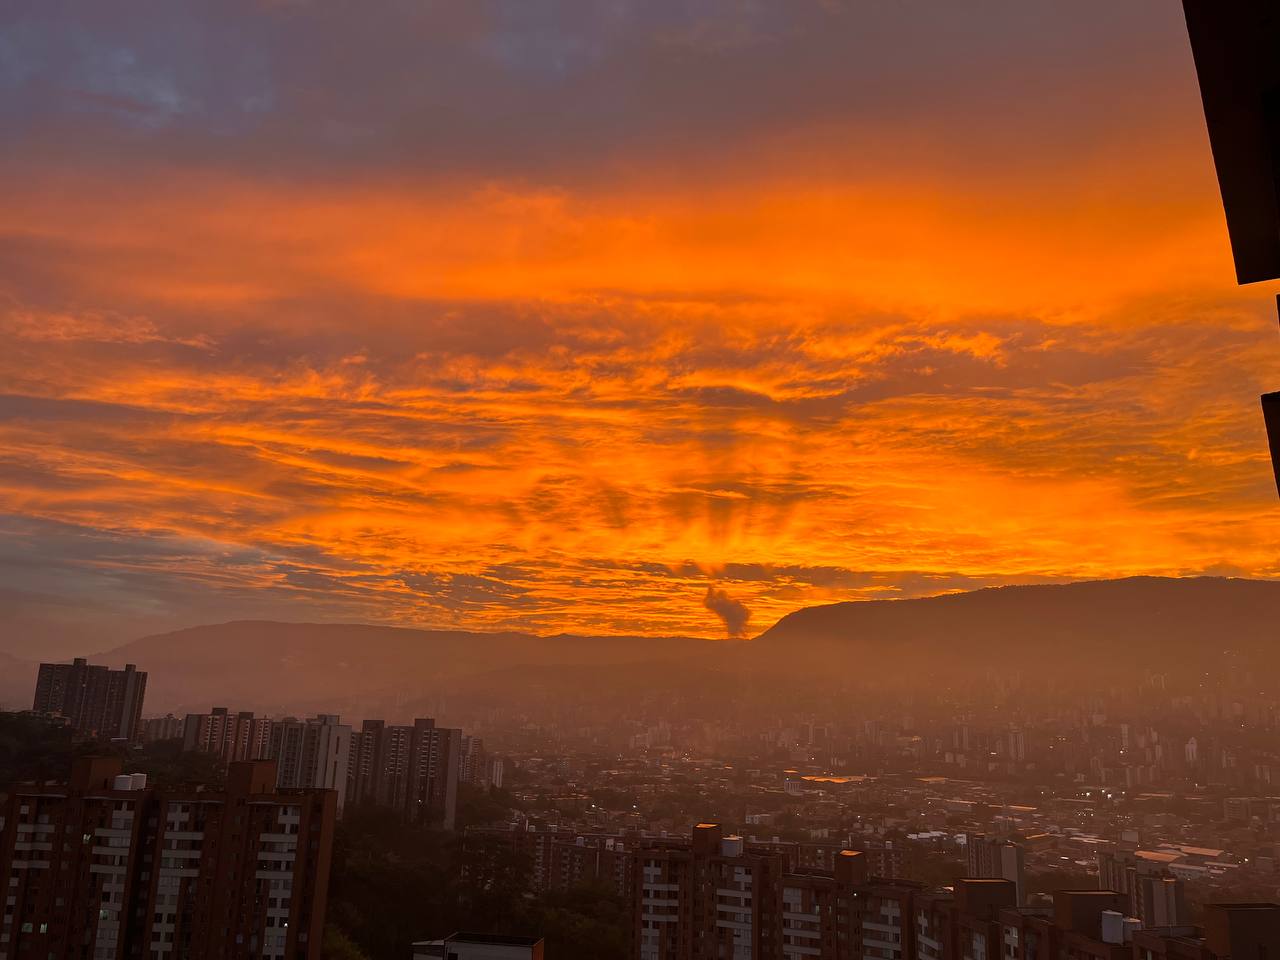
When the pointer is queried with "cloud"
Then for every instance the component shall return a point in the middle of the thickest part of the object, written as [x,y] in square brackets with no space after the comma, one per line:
[733,613]
[505,89]
[547,316]
[573,480]
[63,327]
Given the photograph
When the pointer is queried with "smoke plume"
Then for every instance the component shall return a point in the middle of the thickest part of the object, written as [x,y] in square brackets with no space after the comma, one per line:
[733,612]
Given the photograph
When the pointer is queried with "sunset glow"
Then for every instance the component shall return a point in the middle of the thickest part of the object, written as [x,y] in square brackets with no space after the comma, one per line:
[571,388]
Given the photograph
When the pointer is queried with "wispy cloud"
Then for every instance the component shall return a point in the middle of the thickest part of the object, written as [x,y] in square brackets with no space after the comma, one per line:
[675,349]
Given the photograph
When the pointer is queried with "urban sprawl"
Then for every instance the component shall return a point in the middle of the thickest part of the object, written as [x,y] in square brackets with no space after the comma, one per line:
[1081,832]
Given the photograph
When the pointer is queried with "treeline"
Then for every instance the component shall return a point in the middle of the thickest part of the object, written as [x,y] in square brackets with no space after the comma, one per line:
[393,884]
[38,748]
[34,748]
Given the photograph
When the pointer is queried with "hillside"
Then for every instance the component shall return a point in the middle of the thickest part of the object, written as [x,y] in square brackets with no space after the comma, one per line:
[1069,636]
[1179,627]
[270,666]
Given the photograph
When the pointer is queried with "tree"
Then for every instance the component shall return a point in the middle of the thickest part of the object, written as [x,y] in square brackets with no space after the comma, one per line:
[35,748]
[166,764]
[478,806]
[586,922]
[338,946]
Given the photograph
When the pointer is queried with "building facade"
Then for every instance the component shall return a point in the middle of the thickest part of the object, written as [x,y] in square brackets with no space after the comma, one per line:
[104,867]
[555,858]
[95,700]
[312,754]
[715,897]
[991,858]
[232,736]
[167,727]
[412,769]
[1152,893]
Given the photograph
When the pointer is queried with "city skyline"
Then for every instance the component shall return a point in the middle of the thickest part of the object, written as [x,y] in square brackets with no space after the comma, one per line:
[580,320]
[639,480]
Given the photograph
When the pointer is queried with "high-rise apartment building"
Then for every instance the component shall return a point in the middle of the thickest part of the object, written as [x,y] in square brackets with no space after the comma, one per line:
[413,769]
[106,868]
[241,874]
[477,767]
[720,898]
[167,727]
[717,896]
[95,700]
[708,898]
[820,910]
[976,931]
[309,754]
[232,736]
[884,929]
[935,925]
[312,754]
[70,864]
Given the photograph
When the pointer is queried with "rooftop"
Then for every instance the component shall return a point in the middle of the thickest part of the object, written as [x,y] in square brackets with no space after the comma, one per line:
[496,939]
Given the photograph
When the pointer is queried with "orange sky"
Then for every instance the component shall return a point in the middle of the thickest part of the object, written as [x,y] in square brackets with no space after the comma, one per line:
[848,355]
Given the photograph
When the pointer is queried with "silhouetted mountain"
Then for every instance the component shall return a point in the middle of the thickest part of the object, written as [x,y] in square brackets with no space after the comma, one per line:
[264,665]
[1178,627]
[1110,632]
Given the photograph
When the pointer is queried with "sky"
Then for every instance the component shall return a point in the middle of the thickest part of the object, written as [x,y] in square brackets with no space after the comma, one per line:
[626,316]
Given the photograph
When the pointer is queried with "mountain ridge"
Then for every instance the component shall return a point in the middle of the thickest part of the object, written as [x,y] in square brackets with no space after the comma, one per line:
[1130,625]
[1155,625]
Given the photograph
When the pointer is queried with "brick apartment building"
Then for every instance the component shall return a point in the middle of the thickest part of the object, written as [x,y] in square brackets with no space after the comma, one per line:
[104,867]
[95,700]
[710,897]
[715,897]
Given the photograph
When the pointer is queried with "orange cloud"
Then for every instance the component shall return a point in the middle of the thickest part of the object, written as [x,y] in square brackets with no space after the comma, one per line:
[569,410]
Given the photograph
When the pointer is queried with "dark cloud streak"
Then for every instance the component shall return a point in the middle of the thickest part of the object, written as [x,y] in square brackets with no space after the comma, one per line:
[732,613]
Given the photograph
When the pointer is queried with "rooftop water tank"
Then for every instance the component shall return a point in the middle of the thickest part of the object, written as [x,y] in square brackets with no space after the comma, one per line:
[1112,926]
[731,847]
